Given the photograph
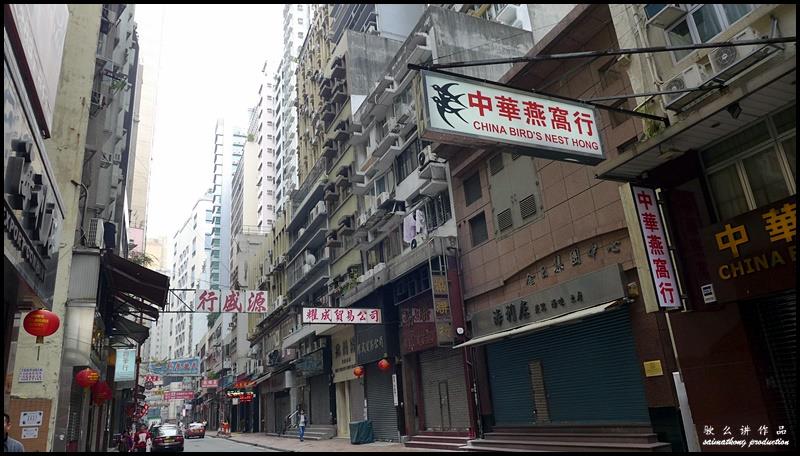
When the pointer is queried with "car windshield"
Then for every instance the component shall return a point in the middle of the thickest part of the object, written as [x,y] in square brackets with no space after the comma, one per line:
[195,426]
[168,431]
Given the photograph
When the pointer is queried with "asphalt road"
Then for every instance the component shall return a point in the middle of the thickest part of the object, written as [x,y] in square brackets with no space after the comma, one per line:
[212,445]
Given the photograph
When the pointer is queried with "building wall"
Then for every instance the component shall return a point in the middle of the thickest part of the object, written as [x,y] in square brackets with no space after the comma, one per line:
[145,132]
[71,115]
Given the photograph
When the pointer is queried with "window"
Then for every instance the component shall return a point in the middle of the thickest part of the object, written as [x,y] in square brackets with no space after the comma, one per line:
[408,160]
[702,23]
[477,229]
[755,166]
[472,188]
[437,210]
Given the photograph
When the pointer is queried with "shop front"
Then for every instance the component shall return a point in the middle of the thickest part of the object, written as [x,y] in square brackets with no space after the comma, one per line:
[349,387]
[564,356]
[315,367]
[376,351]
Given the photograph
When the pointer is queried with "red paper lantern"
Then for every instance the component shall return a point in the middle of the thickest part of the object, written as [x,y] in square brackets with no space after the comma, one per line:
[87,377]
[41,323]
[101,391]
[358,371]
[384,365]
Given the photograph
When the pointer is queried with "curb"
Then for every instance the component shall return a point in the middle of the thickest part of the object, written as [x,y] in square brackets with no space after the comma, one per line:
[256,444]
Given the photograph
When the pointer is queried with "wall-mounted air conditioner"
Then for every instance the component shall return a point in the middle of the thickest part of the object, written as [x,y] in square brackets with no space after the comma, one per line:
[727,62]
[382,198]
[425,156]
[691,77]
[94,238]
[663,15]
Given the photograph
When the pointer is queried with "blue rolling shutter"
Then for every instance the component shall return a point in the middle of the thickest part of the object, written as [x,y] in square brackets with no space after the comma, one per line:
[591,373]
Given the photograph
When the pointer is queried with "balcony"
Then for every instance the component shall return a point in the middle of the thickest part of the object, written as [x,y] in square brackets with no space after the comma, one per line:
[304,271]
[325,88]
[310,192]
[332,240]
[420,53]
[311,236]
[341,132]
[339,67]
[329,149]
[347,225]
[434,176]
[367,283]
[340,92]
[383,145]
[343,176]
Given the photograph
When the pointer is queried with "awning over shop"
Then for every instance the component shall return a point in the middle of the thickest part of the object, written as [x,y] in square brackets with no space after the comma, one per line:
[128,277]
[757,98]
[573,317]
[130,291]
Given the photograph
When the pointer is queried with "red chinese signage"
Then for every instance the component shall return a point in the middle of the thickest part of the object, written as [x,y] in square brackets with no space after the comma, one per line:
[209,383]
[178,395]
[466,112]
[658,256]
[327,315]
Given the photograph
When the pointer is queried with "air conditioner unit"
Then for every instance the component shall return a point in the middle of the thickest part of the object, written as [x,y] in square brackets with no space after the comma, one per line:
[382,198]
[727,62]
[663,15]
[691,77]
[362,219]
[425,156]
[95,235]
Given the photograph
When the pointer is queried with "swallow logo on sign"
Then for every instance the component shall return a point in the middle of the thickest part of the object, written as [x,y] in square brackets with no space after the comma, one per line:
[444,100]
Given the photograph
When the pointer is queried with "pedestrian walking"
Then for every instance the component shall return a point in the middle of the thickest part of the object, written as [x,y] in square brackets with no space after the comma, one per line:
[143,437]
[10,445]
[125,442]
[302,422]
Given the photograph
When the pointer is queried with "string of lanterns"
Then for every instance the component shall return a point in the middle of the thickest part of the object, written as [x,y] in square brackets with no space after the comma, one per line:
[383,365]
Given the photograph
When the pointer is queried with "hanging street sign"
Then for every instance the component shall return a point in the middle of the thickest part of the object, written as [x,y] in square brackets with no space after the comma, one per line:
[477,114]
[327,315]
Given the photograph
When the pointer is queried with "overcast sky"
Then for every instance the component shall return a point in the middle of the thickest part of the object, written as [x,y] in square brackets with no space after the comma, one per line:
[210,62]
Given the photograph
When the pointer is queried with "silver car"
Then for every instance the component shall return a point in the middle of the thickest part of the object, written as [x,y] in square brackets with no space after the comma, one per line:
[167,437]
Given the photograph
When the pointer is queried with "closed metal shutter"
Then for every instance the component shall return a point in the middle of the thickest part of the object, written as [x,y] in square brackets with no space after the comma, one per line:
[778,319]
[283,407]
[590,371]
[380,403]
[75,413]
[320,412]
[444,391]
[356,393]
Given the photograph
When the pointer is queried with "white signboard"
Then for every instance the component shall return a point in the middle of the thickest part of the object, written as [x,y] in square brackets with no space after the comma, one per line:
[30,433]
[125,367]
[394,389]
[327,315]
[476,114]
[31,375]
[230,301]
[30,418]
[658,257]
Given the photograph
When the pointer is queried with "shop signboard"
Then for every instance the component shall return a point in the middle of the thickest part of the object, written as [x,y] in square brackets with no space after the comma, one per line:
[328,315]
[188,367]
[230,301]
[465,112]
[125,367]
[754,254]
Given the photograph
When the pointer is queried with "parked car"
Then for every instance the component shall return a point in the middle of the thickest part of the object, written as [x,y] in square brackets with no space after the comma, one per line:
[167,437]
[196,430]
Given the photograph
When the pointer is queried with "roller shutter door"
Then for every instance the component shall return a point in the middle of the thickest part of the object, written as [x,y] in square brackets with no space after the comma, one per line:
[443,390]
[320,400]
[380,403]
[586,372]
[356,398]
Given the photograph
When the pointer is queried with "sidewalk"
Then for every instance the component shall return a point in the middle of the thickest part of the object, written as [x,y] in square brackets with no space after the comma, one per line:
[333,445]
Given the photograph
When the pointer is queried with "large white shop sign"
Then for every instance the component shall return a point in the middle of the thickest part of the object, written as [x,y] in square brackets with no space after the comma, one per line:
[464,112]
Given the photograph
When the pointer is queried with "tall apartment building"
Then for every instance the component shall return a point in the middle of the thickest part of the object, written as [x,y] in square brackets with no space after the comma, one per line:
[191,247]
[262,132]
[296,22]
[228,149]
[330,86]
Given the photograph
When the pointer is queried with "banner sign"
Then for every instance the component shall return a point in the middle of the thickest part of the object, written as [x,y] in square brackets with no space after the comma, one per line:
[244,384]
[477,114]
[125,367]
[327,315]
[659,259]
[230,301]
[178,395]
[208,383]
[189,367]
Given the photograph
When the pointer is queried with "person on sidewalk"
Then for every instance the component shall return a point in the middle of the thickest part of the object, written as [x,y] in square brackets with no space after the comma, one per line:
[10,445]
[302,422]
[142,439]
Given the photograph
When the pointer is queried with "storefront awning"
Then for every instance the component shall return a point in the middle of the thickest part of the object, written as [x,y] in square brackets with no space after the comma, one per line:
[130,278]
[573,317]
[757,98]
[127,328]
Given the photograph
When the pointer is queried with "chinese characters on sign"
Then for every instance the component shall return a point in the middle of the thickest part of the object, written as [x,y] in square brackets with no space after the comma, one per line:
[753,254]
[209,383]
[575,260]
[188,367]
[125,368]
[31,375]
[178,395]
[327,315]
[658,255]
[537,125]
[230,301]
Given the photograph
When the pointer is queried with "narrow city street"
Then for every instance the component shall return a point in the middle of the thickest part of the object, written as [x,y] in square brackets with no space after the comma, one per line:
[214,445]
